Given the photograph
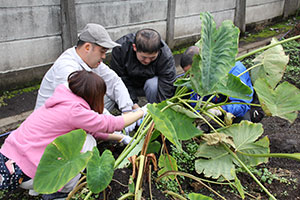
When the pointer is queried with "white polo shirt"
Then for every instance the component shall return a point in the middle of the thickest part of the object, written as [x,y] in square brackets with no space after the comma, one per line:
[69,62]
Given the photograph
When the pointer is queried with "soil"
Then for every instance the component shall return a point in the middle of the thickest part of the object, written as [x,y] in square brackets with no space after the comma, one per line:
[284,138]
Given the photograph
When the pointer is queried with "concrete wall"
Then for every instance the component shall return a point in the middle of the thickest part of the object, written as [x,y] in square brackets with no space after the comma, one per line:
[34,33]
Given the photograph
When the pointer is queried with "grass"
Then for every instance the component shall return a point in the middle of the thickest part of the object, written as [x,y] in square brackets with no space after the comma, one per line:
[11,94]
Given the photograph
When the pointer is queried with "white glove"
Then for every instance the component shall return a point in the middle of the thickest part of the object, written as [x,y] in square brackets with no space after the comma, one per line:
[215,111]
[145,110]
[126,139]
[130,128]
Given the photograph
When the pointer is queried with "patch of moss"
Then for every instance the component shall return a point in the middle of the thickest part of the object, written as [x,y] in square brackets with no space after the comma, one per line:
[13,93]
[267,32]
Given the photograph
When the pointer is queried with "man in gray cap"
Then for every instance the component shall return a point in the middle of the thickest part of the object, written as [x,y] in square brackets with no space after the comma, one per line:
[88,54]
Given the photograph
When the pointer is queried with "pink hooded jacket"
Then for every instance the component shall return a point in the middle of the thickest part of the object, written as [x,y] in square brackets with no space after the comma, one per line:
[62,113]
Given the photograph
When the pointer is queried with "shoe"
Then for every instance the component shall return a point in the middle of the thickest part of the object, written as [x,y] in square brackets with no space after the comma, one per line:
[55,196]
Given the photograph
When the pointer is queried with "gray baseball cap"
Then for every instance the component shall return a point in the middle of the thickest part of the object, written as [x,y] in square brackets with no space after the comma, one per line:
[95,33]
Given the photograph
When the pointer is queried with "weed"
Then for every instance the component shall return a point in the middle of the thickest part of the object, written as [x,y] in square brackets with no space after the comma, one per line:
[185,160]
[11,94]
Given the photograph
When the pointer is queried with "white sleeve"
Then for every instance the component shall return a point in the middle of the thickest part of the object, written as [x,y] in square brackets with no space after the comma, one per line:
[116,89]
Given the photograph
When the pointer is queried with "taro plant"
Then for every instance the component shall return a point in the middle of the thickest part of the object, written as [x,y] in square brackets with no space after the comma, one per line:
[62,161]
[237,145]
[221,151]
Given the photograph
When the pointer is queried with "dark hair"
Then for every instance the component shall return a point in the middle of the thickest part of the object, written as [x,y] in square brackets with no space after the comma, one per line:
[147,40]
[80,43]
[187,57]
[90,87]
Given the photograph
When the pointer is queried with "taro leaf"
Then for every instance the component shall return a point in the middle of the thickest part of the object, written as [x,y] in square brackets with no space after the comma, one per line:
[167,163]
[61,161]
[183,82]
[215,161]
[216,138]
[274,62]
[181,109]
[175,126]
[244,136]
[234,87]
[100,170]
[283,102]
[197,196]
[154,147]
[217,55]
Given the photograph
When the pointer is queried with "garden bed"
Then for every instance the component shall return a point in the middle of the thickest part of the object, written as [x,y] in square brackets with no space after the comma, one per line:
[280,176]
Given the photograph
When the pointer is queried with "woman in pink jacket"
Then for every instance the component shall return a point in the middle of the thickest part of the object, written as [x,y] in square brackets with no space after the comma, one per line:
[76,105]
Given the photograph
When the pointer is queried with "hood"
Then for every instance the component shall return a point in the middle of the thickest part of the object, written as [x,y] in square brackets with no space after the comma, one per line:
[63,95]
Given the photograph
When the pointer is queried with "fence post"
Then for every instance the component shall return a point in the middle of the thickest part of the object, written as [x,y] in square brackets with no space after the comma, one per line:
[240,15]
[68,23]
[170,23]
[290,6]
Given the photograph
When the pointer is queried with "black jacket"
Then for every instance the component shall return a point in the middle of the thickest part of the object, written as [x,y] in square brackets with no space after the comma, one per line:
[134,74]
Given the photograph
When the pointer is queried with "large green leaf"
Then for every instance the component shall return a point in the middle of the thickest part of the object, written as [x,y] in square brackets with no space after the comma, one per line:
[61,161]
[273,62]
[167,163]
[214,161]
[175,126]
[217,55]
[283,102]
[234,87]
[100,170]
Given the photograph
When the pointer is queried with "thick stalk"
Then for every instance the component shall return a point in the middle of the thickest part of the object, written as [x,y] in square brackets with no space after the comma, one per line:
[294,156]
[197,113]
[126,196]
[266,47]
[248,171]
[141,160]
[177,196]
[257,65]
[132,146]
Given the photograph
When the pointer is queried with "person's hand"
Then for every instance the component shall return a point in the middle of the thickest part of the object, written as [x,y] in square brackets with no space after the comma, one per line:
[215,111]
[126,139]
[145,110]
[130,128]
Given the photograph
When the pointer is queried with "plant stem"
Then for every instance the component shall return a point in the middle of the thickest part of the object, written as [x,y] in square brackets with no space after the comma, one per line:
[266,47]
[126,196]
[294,156]
[250,68]
[177,196]
[88,195]
[129,148]
[197,113]
[141,159]
[248,171]
[168,173]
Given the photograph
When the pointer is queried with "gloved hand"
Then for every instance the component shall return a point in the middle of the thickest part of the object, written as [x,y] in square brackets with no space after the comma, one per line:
[145,110]
[130,128]
[126,139]
[215,111]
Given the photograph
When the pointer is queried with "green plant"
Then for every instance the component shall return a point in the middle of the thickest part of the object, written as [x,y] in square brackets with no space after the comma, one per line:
[64,158]
[223,150]
[11,94]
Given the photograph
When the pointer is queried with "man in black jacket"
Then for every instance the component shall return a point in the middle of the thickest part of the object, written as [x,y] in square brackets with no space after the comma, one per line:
[146,65]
